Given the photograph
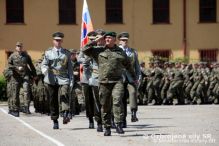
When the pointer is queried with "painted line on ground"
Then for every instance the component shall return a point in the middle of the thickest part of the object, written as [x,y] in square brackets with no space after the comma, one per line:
[32,128]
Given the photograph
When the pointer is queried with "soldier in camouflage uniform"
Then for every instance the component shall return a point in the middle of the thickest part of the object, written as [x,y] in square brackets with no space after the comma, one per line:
[112,61]
[188,83]
[76,99]
[212,92]
[143,84]
[174,93]
[203,84]
[149,88]
[196,79]
[41,98]
[168,77]
[155,97]
[9,87]
[58,78]
[21,65]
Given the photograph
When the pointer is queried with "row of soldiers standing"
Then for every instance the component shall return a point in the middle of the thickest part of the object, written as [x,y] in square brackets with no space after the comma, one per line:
[179,83]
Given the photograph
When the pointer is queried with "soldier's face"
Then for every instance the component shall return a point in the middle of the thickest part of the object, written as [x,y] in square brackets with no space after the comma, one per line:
[19,48]
[110,41]
[123,42]
[73,56]
[57,43]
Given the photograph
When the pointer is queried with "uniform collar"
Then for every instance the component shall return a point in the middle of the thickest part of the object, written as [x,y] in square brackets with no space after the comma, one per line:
[55,49]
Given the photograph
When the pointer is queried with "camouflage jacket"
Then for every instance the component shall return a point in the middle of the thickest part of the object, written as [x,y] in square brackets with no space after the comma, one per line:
[21,65]
[112,62]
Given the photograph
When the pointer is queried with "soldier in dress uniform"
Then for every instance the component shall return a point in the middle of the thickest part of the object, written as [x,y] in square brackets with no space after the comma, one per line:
[58,78]
[131,84]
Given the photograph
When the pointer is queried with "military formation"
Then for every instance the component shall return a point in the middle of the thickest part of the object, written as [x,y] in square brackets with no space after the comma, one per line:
[102,78]
[172,83]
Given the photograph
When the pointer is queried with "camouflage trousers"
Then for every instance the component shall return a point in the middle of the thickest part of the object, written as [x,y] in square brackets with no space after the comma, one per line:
[40,98]
[111,97]
[9,94]
[17,84]
[58,94]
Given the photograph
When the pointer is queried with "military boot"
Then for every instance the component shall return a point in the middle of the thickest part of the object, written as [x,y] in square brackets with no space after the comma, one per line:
[134,117]
[99,127]
[107,132]
[9,111]
[91,123]
[119,129]
[26,109]
[66,119]
[15,113]
[124,124]
[55,124]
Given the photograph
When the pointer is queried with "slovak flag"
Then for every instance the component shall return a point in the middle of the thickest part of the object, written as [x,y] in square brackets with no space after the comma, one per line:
[86,25]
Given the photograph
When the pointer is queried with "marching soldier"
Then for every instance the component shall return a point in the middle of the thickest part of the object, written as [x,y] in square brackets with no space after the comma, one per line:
[112,61]
[131,84]
[94,83]
[58,78]
[86,88]
[22,68]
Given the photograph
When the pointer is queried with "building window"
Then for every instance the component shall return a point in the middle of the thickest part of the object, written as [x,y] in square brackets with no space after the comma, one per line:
[67,12]
[161,11]
[162,54]
[208,55]
[114,12]
[207,10]
[14,11]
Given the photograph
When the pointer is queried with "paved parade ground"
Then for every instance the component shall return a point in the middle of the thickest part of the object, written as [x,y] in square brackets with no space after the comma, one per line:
[189,125]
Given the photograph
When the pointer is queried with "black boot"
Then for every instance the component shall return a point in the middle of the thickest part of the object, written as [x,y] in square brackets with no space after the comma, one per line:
[134,117]
[55,124]
[91,123]
[99,127]
[15,113]
[27,111]
[66,119]
[119,129]
[124,124]
[107,132]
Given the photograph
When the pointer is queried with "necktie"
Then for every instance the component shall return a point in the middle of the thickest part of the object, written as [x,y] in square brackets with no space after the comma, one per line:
[58,52]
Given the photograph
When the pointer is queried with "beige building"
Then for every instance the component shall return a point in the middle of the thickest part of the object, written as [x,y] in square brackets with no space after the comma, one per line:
[170,28]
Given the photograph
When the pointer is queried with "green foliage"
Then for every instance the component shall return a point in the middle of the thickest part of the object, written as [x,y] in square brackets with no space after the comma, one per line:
[3,96]
[182,59]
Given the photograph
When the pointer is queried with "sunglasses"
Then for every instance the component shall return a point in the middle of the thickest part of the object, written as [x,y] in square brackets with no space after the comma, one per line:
[19,46]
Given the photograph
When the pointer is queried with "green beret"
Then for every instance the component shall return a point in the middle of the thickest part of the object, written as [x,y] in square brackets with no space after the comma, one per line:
[57,35]
[111,33]
[123,36]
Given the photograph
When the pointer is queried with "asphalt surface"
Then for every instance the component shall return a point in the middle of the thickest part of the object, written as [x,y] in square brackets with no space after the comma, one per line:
[189,125]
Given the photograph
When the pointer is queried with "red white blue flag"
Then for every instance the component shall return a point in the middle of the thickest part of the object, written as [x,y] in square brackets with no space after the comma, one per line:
[86,25]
